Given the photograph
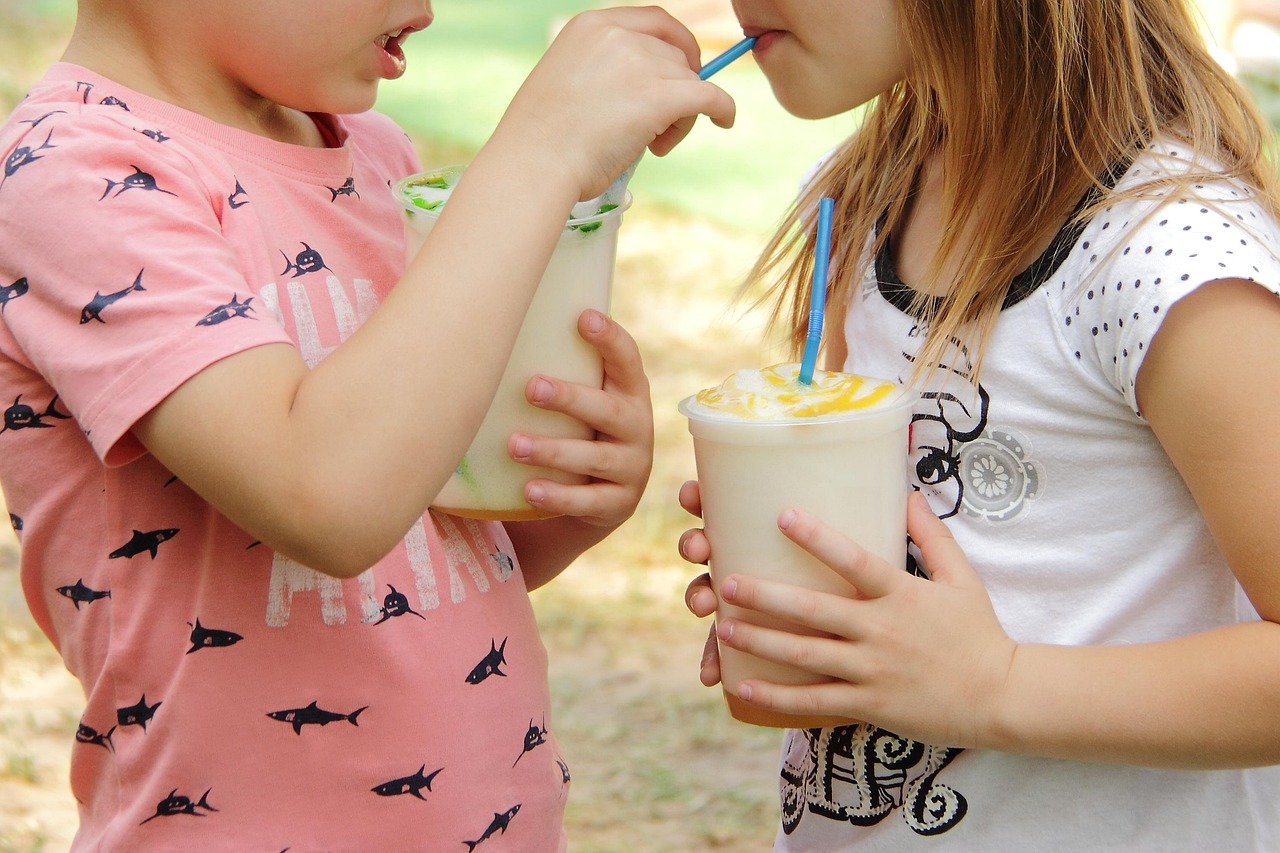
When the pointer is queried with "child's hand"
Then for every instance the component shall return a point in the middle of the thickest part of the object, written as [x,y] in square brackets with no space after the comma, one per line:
[620,457]
[924,658]
[613,82]
[699,597]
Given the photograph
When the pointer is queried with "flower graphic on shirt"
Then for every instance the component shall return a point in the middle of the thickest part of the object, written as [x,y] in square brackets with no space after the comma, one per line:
[998,475]
[989,477]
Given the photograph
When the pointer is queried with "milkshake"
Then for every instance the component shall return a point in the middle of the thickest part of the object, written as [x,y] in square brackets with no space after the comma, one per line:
[764,442]
[487,483]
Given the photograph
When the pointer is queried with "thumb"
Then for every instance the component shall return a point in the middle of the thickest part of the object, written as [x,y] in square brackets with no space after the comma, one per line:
[942,555]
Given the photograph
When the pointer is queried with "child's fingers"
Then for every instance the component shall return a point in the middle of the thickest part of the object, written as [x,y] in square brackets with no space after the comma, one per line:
[817,611]
[623,367]
[869,575]
[938,548]
[694,547]
[699,597]
[597,503]
[603,461]
[605,413]
[709,670]
[691,497]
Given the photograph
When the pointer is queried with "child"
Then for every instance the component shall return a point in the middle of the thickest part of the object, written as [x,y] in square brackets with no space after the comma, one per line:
[1057,219]
[232,405]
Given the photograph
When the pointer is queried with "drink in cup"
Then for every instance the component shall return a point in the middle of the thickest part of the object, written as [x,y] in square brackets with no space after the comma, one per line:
[487,482]
[763,442]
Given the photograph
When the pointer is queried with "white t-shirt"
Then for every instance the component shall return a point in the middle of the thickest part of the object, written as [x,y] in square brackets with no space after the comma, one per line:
[1082,530]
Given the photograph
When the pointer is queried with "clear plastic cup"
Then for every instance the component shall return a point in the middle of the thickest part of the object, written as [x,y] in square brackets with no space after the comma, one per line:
[487,483]
[849,469]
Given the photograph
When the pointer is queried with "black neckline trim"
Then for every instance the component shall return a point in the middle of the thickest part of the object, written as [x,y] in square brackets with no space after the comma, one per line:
[902,296]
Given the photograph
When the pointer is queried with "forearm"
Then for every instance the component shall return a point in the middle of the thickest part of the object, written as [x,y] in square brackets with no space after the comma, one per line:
[547,547]
[1206,701]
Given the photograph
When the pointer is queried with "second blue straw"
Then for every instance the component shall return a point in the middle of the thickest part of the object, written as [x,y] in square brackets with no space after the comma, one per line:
[818,298]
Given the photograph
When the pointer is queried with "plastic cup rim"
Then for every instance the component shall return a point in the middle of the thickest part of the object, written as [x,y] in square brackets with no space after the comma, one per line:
[902,398]
[572,223]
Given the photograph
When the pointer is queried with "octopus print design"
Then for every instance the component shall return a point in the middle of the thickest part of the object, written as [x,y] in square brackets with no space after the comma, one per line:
[862,774]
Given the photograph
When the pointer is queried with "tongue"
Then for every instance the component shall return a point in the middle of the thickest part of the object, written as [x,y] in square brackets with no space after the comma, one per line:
[393,49]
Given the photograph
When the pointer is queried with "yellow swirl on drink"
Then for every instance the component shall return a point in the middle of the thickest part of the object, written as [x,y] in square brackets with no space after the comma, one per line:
[777,392]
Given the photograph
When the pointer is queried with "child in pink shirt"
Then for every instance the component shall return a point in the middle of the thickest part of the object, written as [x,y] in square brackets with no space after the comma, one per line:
[231,405]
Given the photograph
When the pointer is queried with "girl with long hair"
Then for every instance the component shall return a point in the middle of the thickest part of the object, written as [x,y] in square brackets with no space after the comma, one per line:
[1059,220]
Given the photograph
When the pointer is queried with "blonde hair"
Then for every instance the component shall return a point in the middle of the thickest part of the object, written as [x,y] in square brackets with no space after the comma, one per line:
[1027,104]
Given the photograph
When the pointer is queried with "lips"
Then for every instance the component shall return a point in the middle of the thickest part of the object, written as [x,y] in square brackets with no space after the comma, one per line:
[391,44]
[764,38]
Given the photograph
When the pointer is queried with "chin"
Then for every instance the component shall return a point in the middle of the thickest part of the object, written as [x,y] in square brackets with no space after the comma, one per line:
[804,107]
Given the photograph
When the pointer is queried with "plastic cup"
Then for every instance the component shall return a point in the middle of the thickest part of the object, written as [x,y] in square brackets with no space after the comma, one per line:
[849,469]
[487,483]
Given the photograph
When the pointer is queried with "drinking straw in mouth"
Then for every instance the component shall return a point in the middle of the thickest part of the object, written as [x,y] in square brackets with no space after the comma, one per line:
[818,298]
[740,49]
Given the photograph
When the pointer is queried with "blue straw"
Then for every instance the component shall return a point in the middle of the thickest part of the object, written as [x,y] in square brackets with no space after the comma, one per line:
[725,58]
[818,298]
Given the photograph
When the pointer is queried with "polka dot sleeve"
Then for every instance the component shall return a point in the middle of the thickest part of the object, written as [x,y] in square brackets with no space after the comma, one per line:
[1135,259]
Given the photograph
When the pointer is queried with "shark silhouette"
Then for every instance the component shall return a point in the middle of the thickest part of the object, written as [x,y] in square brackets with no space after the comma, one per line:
[140,542]
[86,734]
[312,715]
[499,823]
[308,260]
[100,302]
[211,638]
[229,311]
[139,180]
[533,738]
[176,804]
[396,604]
[489,664]
[21,416]
[239,198]
[137,714]
[411,785]
[349,188]
[12,292]
[81,594]
[24,156]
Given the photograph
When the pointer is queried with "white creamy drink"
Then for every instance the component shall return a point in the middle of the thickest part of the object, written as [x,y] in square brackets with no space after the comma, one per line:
[764,442]
[488,483]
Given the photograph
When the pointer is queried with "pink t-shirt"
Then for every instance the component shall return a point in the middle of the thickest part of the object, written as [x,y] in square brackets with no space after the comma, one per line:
[235,699]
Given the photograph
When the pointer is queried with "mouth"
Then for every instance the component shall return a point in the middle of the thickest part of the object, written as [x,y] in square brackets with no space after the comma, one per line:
[392,45]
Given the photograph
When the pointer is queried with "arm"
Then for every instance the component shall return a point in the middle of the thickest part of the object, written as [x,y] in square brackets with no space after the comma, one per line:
[1207,700]
[332,491]
[618,461]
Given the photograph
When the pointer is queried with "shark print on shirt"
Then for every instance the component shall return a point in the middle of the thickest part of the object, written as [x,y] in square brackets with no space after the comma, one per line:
[179,804]
[81,594]
[139,180]
[138,714]
[21,416]
[100,302]
[413,784]
[25,155]
[141,542]
[13,291]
